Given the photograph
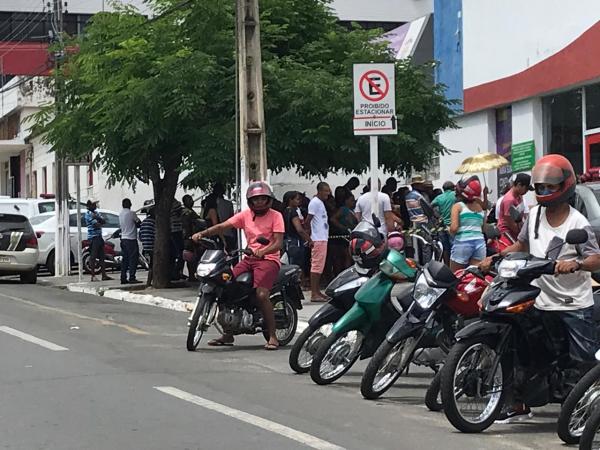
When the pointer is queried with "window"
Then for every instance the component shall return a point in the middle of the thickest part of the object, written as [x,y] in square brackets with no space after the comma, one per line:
[44,180]
[34,185]
[112,220]
[565,134]
[46,207]
[73,220]
[592,107]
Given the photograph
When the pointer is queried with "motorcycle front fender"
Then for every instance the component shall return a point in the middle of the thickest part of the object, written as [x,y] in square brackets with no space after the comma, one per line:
[356,318]
[206,288]
[482,328]
[328,313]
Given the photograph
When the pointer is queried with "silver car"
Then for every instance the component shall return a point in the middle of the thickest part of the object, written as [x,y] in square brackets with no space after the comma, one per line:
[18,248]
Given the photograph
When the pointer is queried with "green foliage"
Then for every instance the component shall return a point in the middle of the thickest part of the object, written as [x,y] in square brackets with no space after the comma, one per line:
[159,95]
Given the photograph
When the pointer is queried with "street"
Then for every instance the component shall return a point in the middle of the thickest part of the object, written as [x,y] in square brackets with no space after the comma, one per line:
[86,372]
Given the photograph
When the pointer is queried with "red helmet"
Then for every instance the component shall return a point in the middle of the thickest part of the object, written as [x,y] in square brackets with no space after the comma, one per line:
[470,188]
[553,169]
[259,189]
[366,253]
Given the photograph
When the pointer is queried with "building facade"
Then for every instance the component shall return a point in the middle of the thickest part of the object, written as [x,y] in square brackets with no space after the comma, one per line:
[528,79]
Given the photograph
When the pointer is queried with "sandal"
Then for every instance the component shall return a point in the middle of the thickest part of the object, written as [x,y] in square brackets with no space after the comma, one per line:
[271,347]
[219,342]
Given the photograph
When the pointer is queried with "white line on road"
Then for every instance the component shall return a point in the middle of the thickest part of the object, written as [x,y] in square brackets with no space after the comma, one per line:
[33,339]
[274,427]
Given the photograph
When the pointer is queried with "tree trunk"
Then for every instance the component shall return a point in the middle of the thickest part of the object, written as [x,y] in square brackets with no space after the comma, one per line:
[164,194]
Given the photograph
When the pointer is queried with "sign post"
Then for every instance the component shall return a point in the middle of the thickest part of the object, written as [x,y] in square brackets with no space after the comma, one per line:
[374,112]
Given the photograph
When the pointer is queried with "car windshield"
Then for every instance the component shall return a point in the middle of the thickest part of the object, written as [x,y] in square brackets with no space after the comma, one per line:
[12,222]
[36,220]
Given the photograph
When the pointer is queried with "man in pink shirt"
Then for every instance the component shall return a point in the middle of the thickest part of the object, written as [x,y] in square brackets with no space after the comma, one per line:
[514,197]
[259,220]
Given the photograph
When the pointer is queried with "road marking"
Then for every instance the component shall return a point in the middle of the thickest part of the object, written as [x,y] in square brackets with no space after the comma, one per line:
[274,427]
[34,340]
[125,327]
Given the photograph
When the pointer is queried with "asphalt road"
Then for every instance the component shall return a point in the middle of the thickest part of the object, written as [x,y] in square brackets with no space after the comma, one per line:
[84,372]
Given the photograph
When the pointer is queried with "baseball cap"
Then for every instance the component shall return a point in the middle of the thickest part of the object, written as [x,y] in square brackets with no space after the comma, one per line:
[524,180]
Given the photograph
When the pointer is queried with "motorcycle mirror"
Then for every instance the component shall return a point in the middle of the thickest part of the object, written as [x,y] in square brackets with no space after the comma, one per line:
[202,224]
[427,209]
[116,234]
[515,214]
[577,236]
[376,221]
[263,240]
[491,231]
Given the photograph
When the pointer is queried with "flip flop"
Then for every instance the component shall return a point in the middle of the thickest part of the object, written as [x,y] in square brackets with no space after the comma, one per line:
[319,300]
[219,343]
[271,347]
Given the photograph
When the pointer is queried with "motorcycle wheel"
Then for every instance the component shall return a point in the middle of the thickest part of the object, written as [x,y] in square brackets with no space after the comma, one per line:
[433,399]
[198,323]
[578,405]
[286,334]
[85,262]
[466,406]
[590,438]
[305,347]
[335,356]
[387,364]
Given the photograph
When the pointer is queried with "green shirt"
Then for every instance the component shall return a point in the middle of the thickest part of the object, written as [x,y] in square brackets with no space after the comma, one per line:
[445,202]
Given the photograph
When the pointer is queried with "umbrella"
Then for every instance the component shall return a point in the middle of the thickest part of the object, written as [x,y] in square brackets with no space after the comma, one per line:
[482,163]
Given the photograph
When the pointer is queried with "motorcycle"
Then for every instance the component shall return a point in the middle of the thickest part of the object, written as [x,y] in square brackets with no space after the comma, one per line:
[423,335]
[359,331]
[583,398]
[113,259]
[511,346]
[341,291]
[227,302]
[590,436]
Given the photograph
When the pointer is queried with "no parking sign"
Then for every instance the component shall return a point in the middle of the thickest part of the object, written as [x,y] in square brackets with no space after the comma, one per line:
[374,99]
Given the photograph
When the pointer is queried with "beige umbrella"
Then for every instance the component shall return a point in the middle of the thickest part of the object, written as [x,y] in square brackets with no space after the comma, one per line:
[482,162]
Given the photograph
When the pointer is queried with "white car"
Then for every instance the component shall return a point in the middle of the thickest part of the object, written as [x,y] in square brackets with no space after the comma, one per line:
[44,226]
[18,248]
[30,207]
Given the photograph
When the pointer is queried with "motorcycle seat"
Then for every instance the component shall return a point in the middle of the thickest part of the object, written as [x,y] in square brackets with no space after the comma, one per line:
[286,271]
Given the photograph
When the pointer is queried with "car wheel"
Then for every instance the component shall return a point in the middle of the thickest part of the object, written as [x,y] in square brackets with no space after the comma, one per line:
[29,277]
[50,265]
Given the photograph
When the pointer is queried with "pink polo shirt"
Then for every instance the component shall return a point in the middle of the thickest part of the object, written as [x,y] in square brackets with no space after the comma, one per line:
[255,226]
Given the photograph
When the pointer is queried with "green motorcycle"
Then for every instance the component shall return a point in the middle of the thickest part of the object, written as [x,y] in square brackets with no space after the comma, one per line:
[362,329]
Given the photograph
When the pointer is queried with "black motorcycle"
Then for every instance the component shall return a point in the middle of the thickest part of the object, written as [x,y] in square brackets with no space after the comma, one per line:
[513,346]
[228,302]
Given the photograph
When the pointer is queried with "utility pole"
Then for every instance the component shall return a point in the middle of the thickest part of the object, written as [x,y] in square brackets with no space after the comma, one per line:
[62,237]
[253,148]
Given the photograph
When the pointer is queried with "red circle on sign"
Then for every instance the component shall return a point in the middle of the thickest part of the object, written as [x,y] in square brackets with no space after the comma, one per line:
[381,92]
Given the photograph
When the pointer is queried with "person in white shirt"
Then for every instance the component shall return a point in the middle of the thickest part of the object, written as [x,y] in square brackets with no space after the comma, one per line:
[318,222]
[364,209]
[129,223]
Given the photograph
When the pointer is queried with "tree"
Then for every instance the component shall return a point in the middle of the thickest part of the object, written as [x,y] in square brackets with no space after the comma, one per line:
[156,98]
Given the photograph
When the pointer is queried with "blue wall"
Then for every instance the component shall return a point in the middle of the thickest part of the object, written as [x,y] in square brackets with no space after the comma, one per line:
[448,47]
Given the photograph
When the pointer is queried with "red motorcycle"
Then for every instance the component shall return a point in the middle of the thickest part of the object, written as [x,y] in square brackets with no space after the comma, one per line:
[423,335]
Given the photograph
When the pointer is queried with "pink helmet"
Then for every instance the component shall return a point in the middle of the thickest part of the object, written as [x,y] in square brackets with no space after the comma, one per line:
[395,240]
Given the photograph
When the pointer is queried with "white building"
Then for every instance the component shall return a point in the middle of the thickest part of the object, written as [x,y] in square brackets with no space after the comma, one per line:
[528,77]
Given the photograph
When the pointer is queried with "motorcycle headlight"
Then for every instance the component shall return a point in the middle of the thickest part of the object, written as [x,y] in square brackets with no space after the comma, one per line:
[351,285]
[205,269]
[425,295]
[509,269]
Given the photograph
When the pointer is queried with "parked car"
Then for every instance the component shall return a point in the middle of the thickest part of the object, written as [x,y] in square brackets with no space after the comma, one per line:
[18,248]
[30,207]
[44,226]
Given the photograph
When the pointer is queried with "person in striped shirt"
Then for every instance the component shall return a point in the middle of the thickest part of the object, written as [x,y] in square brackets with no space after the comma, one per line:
[147,235]
[466,225]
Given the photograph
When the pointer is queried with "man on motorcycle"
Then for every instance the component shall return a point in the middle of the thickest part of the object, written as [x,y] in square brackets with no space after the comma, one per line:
[567,294]
[258,221]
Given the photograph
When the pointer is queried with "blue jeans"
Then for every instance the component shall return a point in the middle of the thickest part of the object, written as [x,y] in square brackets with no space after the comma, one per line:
[130,252]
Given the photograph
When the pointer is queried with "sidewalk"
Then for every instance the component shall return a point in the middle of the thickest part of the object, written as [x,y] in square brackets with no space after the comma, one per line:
[181,298]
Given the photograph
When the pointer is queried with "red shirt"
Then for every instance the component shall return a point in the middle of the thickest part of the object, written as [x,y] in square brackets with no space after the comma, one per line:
[509,199]
[255,226]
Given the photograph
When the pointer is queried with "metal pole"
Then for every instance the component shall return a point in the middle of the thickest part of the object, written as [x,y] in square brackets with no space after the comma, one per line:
[79,249]
[374,161]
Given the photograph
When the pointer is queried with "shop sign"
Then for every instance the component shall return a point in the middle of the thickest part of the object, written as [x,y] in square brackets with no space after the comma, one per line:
[523,156]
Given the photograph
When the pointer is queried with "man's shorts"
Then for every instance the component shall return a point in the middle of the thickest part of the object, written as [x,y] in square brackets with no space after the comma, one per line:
[465,251]
[318,256]
[264,271]
[97,248]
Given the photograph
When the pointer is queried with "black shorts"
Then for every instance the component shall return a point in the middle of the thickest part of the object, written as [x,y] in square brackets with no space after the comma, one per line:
[97,248]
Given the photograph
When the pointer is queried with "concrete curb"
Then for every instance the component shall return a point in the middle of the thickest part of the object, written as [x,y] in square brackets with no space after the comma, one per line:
[131,297]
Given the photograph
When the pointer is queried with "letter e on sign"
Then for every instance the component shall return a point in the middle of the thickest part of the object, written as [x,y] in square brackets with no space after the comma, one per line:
[374,100]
